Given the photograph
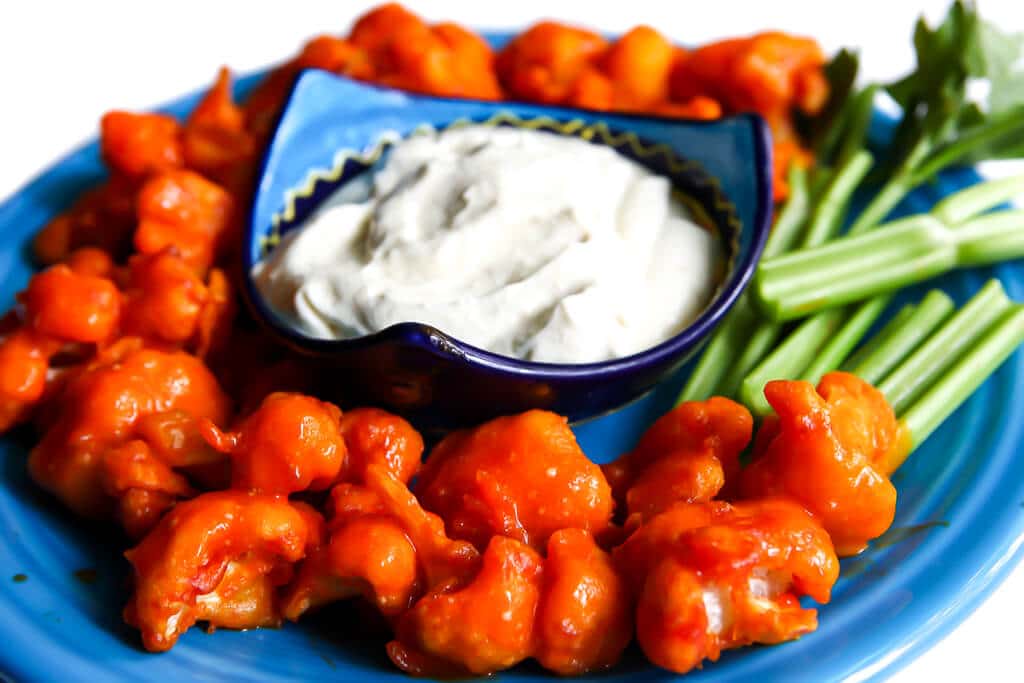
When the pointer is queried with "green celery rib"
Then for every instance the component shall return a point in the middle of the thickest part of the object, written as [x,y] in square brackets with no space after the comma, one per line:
[715,359]
[786,230]
[760,341]
[990,238]
[914,375]
[854,268]
[887,332]
[785,235]
[828,146]
[843,249]
[901,336]
[858,120]
[819,179]
[924,162]
[722,358]
[1000,127]
[884,201]
[976,199]
[827,218]
[895,189]
[835,351]
[789,359]
[904,251]
[825,222]
[993,347]
[823,226]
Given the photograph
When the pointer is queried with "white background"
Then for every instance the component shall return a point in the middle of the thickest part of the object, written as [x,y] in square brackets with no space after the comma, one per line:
[63,64]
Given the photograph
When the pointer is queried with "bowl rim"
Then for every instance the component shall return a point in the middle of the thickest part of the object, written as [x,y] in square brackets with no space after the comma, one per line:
[436,341]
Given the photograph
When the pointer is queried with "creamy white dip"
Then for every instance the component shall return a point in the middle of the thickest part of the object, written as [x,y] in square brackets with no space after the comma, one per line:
[525,243]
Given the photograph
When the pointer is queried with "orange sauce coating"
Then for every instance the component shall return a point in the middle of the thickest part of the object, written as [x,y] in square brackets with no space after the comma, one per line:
[126,356]
[523,476]
[690,453]
[715,576]
[189,555]
[828,451]
[290,443]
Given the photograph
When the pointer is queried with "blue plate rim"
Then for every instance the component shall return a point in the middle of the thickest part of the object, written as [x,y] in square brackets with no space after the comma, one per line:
[1000,558]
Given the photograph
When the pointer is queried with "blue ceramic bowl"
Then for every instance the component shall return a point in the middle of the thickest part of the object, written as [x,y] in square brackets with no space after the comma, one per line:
[333,129]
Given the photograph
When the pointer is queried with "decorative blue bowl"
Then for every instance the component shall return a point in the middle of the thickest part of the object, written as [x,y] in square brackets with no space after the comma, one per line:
[332,129]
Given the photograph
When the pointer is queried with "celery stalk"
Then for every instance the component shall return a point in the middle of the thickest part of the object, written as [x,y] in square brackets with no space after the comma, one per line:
[997,129]
[858,120]
[852,269]
[820,259]
[856,267]
[789,359]
[760,341]
[786,230]
[721,361]
[915,374]
[891,329]
[832,355]
[823,226]
[717,356]
[892,193]
[827,218]
[994,346]
[976,199]
[990,238]
[898,339]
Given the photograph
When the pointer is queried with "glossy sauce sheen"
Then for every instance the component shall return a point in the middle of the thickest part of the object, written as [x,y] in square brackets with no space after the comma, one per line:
[158,413]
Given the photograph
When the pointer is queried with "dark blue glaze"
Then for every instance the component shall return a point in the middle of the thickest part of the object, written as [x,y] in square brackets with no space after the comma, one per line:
[437,380]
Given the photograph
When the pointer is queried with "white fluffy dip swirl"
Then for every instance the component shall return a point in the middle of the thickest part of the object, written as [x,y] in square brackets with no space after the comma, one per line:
[525,243]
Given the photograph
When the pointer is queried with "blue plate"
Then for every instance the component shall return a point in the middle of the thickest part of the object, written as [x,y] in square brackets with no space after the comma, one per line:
[958,532]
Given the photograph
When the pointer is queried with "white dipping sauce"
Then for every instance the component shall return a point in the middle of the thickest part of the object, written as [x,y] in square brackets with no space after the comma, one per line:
[525,243]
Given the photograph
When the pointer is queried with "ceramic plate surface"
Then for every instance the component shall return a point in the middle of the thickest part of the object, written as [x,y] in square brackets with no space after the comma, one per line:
[958,532]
